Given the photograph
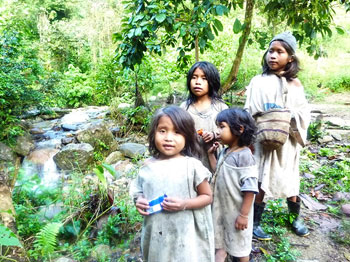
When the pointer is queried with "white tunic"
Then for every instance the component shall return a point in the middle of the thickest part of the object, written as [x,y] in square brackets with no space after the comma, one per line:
[279,169]
[183,236]
[228,199]
[205,120]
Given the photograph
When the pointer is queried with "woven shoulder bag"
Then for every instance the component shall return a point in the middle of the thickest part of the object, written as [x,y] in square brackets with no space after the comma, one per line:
[273,125]
[273,128]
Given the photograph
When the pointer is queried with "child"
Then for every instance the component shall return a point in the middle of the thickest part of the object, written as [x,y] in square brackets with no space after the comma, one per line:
[279,87]
[235,185]
[183,230]
[204,103]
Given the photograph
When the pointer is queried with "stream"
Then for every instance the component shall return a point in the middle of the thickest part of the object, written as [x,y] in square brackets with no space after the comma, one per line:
[51,135]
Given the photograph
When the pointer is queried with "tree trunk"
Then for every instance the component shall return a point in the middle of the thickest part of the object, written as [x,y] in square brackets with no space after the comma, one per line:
[196,49]
[232,77]
[7,212]
[138,100]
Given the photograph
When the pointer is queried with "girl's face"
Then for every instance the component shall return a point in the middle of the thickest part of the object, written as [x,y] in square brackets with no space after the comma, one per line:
[199,83]
[277,57]
[225,135]
[168,140]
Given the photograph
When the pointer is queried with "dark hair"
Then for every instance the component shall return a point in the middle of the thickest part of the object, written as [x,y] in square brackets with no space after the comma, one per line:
[291,70]
[235,118]
[213,78]
[183,123]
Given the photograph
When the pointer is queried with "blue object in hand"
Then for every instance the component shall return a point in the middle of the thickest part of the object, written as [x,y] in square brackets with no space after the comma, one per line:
[155,204]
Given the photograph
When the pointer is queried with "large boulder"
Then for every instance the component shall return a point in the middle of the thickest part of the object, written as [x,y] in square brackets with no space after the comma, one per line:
[99,137]
[132,150]
[75,156]
[7,160]
[24,144]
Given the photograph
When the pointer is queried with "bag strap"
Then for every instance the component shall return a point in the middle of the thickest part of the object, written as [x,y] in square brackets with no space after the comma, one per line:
[284,89]
[213,179]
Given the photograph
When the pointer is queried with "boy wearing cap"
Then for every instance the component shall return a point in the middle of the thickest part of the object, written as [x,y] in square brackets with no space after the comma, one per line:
[279,87]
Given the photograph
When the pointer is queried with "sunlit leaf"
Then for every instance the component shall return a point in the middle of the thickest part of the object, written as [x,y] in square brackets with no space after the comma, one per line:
[160,17]
[237,26]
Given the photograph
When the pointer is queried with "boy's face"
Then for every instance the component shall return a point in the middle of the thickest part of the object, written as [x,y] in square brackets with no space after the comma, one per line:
[199,83]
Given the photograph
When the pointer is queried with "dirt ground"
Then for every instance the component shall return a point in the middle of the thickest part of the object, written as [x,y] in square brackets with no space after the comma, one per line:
[319,246]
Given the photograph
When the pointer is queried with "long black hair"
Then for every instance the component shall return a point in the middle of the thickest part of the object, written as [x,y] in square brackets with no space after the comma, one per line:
[237,118]
[213,78]
[183,123]
[291,69]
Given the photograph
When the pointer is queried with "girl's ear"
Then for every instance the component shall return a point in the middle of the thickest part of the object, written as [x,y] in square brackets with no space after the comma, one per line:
[241,129]
[291,59]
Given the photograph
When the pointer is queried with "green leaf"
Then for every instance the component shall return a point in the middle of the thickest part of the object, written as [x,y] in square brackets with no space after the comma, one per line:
[329,31]
[100,174]
[111,170]
[8,238]
[340,30]
[218,25]
[237,26]
[160,17]
[131,33]
[138,31]
[219,10]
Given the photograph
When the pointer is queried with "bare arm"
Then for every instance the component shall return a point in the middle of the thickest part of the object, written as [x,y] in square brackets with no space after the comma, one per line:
[203,199]
[211,155]
[242,219]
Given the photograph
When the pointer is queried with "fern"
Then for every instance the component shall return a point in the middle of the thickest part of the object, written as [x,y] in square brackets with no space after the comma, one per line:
[46,241]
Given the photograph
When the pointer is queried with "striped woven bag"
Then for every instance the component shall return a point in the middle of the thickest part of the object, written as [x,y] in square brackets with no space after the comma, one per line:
[273,127]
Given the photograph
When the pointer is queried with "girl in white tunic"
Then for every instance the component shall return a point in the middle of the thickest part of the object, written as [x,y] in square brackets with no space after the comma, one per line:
[204,103]
[279,87]
[235,185]
[182,231]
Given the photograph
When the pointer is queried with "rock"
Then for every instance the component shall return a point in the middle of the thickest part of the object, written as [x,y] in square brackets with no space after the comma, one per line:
[325,139]
[42,155]
[132,150]
[36,131]
[335,121]
[49,212]
[311,204]
[114,157]
[68,127]
[339,196]
[101,251]
[346,209]
[115,130]
[336,136]
[74,156]
[24,144]
[124,105]
[64,259]
[98,136]
[6,153]
[68,140]
[309,176]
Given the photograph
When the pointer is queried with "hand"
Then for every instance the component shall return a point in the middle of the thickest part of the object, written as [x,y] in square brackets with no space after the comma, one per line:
[142,205]
[173,204]
[207,136]
[213,148]
[241,223]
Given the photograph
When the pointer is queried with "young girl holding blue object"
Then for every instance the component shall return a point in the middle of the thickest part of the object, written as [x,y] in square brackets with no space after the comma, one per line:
[279,87]
[235,185]
[182,228]
[204,103]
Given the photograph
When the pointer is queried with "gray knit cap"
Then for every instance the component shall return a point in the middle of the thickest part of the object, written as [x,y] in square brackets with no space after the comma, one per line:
[288,38]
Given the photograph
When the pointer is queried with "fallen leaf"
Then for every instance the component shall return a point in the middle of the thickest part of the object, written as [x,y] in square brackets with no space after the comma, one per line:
[347,256]
[264,251]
